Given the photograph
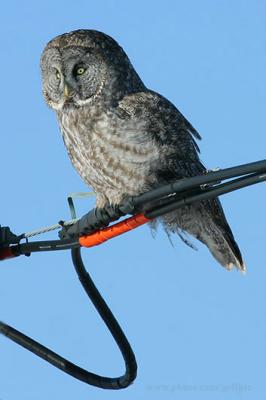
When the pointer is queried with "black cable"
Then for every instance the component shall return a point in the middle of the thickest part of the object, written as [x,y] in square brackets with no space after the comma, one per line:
[155,209]
[187,184]
[45,245]
[150,203]
[206,194]
[111,323]
[93,220]
[180,193]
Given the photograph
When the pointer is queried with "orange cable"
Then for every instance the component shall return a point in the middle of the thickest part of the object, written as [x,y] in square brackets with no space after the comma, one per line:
[112,231]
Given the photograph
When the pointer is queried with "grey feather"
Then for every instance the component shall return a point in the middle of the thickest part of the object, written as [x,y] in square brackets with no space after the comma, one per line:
[124,139]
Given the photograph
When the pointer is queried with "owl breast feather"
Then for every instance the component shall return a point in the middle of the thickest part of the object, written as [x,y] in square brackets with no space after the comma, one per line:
[113,156]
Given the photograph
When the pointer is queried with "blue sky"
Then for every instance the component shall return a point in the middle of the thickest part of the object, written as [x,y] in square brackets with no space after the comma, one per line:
[198,331]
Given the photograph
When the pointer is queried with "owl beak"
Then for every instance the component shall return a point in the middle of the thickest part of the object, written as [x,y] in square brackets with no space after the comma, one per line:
[67,91]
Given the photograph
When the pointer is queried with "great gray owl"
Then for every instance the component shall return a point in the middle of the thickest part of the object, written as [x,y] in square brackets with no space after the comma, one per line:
[124,139]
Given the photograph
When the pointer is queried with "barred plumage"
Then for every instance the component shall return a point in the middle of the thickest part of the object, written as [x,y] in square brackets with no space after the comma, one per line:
[124,139]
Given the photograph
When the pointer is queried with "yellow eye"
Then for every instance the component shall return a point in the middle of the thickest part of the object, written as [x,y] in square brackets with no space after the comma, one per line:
[80,71]
[58,75]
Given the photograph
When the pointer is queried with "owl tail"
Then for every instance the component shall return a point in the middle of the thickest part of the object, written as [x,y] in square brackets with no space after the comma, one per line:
[206,222]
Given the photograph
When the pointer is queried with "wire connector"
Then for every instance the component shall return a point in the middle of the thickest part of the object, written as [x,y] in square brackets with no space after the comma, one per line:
[7,237]
[96,219]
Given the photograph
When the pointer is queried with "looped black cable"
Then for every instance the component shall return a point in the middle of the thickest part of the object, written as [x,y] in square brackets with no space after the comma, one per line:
[111,323]
[153,204]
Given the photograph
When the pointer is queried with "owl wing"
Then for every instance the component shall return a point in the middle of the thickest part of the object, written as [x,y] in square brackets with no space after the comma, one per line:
[170,130]
[179,155]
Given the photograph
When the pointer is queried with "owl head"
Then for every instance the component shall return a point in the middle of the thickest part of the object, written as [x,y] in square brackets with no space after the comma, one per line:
[83,67]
